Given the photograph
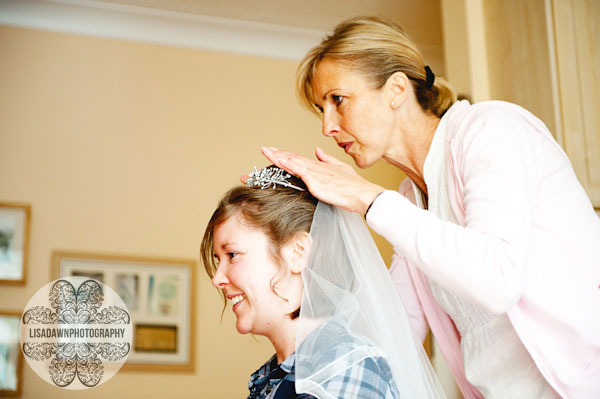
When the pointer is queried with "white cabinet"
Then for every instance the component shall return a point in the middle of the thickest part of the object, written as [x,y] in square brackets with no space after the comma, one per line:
[575,31]
[541,54]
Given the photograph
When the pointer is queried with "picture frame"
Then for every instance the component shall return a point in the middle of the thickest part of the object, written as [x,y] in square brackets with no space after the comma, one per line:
[15,219]
[11,356]
[160,296]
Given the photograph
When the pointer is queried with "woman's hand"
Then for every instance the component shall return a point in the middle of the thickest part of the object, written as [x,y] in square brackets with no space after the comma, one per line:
[327,178]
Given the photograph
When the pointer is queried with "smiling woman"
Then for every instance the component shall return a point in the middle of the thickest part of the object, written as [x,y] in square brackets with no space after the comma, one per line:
[280,260]
[257,240]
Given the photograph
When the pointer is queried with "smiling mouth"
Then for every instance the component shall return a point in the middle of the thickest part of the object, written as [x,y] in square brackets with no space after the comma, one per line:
[237,299]
[346,145]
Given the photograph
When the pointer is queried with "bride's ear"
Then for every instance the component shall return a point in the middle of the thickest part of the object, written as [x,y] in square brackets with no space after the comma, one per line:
[297,251]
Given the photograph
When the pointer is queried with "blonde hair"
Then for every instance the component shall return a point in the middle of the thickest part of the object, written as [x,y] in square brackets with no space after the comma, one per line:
[377,49]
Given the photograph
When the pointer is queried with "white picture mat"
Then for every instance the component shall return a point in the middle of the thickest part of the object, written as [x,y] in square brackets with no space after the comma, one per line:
[112,268]
[9,352]
[13,223]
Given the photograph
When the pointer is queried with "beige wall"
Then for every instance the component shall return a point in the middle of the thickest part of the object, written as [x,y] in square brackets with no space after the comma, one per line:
[125,148]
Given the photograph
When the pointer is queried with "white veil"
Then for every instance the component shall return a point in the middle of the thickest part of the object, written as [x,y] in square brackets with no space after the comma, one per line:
[348,293]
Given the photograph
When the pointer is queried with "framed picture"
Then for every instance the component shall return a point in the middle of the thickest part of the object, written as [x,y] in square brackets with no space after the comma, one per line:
[14,242]
[159,294]
[11,357]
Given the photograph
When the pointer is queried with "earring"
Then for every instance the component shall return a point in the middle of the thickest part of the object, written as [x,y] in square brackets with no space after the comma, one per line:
[393,104]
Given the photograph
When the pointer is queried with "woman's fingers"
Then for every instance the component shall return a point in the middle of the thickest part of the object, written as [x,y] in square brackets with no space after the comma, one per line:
[324,157]
[327,178]
[313,172]
[272,154]
[290,162]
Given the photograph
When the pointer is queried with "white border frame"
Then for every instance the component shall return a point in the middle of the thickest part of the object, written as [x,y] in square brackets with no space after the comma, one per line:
[120,21]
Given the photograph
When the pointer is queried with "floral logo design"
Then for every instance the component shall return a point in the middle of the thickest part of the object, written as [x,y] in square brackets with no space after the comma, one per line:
[76,314]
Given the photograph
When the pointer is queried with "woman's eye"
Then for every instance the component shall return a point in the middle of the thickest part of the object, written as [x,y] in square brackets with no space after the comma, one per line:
[337,99]
[231,255]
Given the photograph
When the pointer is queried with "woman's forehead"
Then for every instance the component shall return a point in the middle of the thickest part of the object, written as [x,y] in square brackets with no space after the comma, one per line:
[236,228]
[331,74]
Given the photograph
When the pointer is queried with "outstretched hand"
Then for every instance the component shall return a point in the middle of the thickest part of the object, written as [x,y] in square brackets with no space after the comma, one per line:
[327,178]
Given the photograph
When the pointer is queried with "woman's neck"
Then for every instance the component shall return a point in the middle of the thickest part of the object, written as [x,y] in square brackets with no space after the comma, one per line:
[284,339]
[414,134]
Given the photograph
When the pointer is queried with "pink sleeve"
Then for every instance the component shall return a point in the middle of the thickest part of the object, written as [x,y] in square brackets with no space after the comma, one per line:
[404,286]
[482,261]
[403,282]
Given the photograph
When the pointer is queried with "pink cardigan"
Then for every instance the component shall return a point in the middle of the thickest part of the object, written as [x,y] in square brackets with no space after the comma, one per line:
[527,243]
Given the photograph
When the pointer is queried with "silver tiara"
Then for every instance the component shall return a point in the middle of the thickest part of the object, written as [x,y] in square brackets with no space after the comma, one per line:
[267,176]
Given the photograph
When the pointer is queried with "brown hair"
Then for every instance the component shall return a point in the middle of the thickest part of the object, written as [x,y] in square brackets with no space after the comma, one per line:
[376,48]
[280,213]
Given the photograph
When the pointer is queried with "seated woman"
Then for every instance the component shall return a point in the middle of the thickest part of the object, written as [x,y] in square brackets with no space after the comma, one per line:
[288,266]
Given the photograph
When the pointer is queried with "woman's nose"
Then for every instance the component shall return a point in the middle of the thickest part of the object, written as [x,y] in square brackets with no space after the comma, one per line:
[220,279]
[330,126]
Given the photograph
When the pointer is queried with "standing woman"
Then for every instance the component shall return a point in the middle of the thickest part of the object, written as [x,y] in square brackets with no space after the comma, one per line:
[497,245]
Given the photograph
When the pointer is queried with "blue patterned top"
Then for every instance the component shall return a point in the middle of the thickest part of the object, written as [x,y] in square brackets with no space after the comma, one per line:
[275,381]
[370,378]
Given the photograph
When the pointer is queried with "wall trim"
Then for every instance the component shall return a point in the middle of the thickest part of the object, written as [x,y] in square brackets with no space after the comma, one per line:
[119,21]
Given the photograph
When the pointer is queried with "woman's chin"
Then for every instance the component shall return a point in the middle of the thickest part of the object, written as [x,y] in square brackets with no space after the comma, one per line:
[242,328]
[363,158]
[362,162]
